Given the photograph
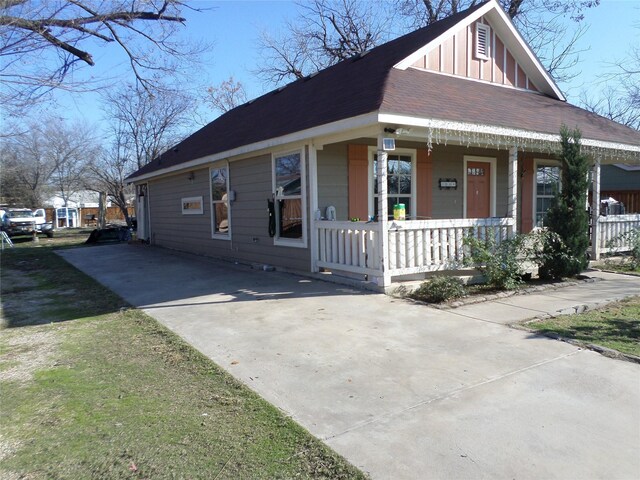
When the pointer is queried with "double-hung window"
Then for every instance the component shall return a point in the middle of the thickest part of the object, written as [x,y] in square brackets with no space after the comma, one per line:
[289,198]
[400,182]
[220,201]
[547,186]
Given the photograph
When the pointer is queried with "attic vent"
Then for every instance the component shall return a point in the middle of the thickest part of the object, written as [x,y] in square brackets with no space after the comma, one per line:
[482,41]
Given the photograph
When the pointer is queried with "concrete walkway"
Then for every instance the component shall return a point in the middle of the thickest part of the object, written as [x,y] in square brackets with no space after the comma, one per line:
[401,390]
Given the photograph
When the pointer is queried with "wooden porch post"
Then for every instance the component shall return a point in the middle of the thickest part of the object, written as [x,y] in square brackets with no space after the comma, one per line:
[383,213]
[313,205]
[512,191]
[595,212]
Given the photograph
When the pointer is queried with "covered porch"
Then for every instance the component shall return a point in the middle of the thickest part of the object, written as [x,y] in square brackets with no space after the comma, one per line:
[453,182]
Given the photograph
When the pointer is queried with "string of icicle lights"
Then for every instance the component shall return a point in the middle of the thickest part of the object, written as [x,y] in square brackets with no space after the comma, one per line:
[499,138]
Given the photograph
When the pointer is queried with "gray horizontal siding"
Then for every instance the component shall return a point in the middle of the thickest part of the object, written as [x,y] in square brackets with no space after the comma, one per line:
[169,227]
[251,180]
[333,179]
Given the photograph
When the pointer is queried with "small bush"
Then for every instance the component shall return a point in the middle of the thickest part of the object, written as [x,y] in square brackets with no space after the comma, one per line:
[440,289]
[631,240]
[499,262]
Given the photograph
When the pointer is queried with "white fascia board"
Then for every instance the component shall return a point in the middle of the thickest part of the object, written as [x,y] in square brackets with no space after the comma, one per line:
[508,33]
[322,130]
[411,59]
[464,127]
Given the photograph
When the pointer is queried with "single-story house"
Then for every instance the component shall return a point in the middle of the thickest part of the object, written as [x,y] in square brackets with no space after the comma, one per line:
[458,122]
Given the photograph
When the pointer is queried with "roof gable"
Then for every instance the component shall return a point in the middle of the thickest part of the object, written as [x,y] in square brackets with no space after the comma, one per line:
[511,62]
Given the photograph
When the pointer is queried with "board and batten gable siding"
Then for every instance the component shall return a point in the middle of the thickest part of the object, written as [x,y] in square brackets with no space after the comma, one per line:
[169,227]
[333,184]
[456,56]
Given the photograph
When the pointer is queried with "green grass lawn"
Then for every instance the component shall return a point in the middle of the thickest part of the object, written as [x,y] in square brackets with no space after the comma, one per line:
[617,326]
[91,388]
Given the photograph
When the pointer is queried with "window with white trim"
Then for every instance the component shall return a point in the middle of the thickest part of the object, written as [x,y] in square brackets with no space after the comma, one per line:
[483,41]
[547,186]
[289,191]
[220,201]
[400,182]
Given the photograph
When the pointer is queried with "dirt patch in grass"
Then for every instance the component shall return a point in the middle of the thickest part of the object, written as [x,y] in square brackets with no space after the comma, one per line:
[616,326]
[25,353]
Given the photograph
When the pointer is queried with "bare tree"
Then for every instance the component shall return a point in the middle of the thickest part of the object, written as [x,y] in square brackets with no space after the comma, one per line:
[620,98]
[142,127]
[227,95]
[110,170]
[26,168]
[148,124]
[43,42]
[325,32]
[44,158]
[70,149]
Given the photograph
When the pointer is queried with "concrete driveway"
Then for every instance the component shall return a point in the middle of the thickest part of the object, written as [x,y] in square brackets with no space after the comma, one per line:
[401,390]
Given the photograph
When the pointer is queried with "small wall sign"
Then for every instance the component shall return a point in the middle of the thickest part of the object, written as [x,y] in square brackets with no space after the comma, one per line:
[448,183]
[192,206]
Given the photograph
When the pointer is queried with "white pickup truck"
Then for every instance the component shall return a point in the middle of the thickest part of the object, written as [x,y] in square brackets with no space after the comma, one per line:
[23,221]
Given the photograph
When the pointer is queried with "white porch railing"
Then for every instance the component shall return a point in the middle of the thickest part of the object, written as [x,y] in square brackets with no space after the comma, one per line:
[417,246]
[414,246]
[349,246]
[613,230]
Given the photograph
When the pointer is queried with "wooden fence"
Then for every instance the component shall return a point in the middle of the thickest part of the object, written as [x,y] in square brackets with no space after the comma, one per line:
[88,216]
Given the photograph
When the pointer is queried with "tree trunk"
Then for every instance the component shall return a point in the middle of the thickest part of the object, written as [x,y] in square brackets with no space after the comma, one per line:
[102,209]
[122,203]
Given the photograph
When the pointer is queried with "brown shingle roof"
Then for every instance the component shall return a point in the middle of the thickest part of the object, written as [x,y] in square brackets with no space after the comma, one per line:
[370,83]
[430,95]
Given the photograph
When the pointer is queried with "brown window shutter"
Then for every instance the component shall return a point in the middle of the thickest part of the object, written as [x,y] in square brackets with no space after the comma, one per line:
[424,184]
[526,175]
[358,181]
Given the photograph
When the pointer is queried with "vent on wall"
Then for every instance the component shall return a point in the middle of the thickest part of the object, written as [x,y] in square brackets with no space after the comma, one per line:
[482,41]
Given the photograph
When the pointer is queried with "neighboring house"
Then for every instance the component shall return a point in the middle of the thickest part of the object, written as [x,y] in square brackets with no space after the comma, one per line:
[81,199]
[474,118]
[622,183]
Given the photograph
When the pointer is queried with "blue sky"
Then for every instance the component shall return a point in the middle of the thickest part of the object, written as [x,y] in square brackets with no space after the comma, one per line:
[234,26]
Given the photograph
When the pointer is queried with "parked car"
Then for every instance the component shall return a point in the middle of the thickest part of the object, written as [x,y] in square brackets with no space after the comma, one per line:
[23,221]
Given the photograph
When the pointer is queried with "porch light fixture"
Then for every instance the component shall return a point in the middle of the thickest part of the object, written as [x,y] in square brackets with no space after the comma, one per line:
[192,177]
[388,144]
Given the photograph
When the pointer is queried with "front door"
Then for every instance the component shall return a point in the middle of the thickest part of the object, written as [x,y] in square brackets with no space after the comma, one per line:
[478,189]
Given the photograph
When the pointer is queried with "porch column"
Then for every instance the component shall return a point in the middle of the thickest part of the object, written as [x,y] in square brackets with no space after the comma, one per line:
[595,212]
[313,207]
[512,189]
[383,213]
